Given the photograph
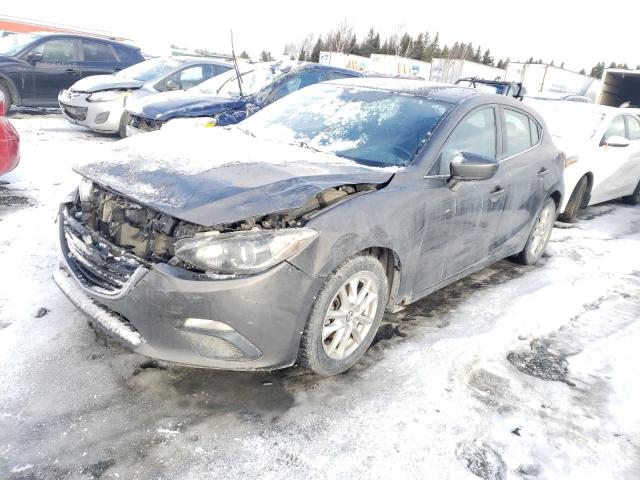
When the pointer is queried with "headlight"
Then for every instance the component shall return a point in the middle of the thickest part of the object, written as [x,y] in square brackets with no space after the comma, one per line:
[85,190]
[243,252]
[107,95]
[188,123]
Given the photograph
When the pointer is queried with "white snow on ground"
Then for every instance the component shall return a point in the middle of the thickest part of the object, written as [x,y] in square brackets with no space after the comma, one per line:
[436,398]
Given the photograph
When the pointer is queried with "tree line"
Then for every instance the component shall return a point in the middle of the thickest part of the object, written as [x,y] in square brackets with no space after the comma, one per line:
[424,46]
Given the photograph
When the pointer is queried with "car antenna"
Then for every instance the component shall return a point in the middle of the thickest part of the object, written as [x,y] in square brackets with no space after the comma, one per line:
[235,65]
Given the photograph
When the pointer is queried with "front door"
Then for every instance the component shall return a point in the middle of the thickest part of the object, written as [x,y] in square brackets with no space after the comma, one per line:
[478,204]
[57,69]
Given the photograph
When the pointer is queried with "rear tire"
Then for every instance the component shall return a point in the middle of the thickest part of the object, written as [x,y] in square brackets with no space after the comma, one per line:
[345,316]
[575,203]
[634,198]
[539,236]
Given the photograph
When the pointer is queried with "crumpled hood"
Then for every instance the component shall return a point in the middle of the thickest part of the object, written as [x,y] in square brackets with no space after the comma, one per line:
[221,175]
[183,103]
[96,83]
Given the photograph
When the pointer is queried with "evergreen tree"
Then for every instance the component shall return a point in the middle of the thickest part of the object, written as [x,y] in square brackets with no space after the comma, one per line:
[583,72]
[244,54]
[445,53]
[598,70]
[613,65]
[315,53]
[301,55]
[487,59]
[500,64]
[405,45]
[477,55]
[434,48]
[265,56]
[416,51]
[562,65]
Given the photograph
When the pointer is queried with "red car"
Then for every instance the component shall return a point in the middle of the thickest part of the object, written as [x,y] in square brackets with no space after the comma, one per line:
[9,142]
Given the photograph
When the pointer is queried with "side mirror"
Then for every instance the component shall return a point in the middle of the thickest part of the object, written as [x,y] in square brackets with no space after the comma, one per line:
[616,141]
[471,166]
[34,57]
[171,85]
[3,106]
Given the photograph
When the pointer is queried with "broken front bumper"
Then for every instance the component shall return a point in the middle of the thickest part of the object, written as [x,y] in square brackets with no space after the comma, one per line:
[263,315]
[97,116]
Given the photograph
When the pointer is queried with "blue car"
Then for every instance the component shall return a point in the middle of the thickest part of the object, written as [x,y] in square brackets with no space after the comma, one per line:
[223,101]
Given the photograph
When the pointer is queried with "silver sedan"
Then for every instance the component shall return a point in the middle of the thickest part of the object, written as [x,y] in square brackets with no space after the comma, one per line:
[98,102]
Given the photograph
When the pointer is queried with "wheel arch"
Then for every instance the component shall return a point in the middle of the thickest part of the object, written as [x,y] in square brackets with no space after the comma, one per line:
[13,91]
[587,194]
[390,261]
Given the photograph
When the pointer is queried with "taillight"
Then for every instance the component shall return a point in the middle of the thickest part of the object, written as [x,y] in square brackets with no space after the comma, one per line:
[570,160]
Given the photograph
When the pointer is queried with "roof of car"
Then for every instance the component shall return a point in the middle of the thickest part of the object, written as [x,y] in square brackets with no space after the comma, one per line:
[86,37]
[577,107]
[189,59]
[437,91]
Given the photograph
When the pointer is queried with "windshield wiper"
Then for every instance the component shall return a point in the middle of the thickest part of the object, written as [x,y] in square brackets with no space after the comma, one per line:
[245,131]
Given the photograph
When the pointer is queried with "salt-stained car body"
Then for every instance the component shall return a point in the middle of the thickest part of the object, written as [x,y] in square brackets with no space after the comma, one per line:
[220,102]
[283,239]
[98,102]
[9,141]
[602,145]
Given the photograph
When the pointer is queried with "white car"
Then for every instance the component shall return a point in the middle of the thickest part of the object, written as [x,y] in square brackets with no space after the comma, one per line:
[98,102]
[602,145]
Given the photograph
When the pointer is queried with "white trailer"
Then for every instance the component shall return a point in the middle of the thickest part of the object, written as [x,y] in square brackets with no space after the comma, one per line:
[540,77]
[447,70]
[620,88]
[345,60]
[395,65]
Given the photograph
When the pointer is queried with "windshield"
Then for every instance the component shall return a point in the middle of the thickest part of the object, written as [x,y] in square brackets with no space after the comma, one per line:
[373,127]
[226,84]
[12,44]
[150,69]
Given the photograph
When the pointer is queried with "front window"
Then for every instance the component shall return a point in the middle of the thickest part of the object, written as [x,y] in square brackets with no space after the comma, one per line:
[149,70]
[14,44]
[476,133]
[616,129]
[56,51]
[368,126]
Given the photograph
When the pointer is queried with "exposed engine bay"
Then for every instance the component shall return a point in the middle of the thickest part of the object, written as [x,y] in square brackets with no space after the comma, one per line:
[151,235]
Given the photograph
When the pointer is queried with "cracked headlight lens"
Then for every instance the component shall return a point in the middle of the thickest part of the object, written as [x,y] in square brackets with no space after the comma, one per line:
[243,252]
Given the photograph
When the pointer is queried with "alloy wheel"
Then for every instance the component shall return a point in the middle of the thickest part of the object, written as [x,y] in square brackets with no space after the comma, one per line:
[350,315]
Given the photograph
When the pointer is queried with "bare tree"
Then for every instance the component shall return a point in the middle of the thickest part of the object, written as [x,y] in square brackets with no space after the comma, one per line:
[339,39]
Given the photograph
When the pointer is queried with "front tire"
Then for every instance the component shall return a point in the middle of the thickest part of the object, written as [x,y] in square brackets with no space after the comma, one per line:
[345,316]
[8,101]
[634,198]
[122,128]
[539,236]
[576,202]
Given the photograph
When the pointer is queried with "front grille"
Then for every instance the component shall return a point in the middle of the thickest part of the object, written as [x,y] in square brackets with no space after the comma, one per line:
[76,113]
[98,264]
[145,124]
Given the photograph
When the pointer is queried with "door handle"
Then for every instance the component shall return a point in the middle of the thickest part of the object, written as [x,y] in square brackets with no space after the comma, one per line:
[71,70]
[543,171]
[496,194]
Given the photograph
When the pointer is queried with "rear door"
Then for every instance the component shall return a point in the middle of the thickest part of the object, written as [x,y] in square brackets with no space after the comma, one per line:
[58,69]
[631,167]
[478,204]
[97,58]
[525,176]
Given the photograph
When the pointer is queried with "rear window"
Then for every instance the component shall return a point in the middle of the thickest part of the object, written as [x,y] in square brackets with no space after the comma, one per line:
[520,136]
[126,54]
[97,52]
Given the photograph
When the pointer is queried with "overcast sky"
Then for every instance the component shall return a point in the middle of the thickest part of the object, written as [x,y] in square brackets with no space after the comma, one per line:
[580,33]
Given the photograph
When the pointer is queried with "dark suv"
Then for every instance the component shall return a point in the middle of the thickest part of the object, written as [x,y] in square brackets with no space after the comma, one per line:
[34,67]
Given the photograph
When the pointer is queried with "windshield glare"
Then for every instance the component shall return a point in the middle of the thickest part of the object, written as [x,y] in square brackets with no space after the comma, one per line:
[373,127]
[226,84]
[12,44]
[150,69]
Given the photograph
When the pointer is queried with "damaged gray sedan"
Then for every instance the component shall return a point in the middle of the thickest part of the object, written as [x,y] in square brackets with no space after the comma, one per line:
[284,239]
